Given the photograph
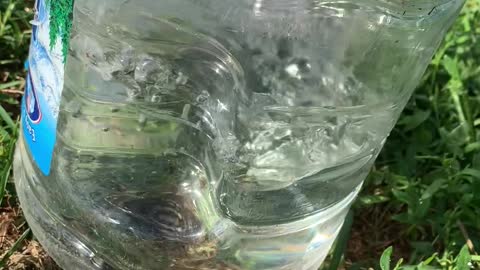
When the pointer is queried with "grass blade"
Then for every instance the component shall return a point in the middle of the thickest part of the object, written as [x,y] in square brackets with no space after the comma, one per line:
[14,248]
[6,16]
[9,84]
[4,115]
[7,168]
[4,180]
[342,242]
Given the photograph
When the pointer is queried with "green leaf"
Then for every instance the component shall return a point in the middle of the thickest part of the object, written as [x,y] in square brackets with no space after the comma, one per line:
[386,259]
[421,209]
[472,147]
[4,135]
[401,196]
[413,121]
[398,265]
[430,259]
[373,199]
[6,117]
[471,172]
[426,267]
[409,267]
[462,39]
[451,66]
[476,161]
[463,259]
[433,188]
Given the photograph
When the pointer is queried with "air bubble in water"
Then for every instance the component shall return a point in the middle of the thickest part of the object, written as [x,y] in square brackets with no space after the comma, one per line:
[127,59]
[298,68]
[150,70]
[156,98]
[203,97]
[182,79]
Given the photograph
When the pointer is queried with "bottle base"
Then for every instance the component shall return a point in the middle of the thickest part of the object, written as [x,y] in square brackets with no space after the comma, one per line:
[300,245]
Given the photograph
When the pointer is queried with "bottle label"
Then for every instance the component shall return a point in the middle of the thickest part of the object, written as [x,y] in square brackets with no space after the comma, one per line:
[44,83]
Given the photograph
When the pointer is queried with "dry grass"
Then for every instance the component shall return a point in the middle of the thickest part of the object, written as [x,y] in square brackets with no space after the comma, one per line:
[29,255]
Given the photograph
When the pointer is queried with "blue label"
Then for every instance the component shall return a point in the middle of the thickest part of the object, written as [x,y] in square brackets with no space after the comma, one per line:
[43,90]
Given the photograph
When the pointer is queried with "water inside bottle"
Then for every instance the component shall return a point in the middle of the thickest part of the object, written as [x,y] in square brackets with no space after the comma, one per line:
[212,147]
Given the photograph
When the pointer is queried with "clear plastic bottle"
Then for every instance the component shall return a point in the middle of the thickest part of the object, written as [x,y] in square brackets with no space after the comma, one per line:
[211,134]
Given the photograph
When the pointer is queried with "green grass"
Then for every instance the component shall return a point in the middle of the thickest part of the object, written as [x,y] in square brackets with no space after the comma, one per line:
[423,195]
[14,40]
[428,175]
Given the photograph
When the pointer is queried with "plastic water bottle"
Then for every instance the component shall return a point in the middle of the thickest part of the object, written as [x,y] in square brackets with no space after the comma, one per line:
[233,134]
